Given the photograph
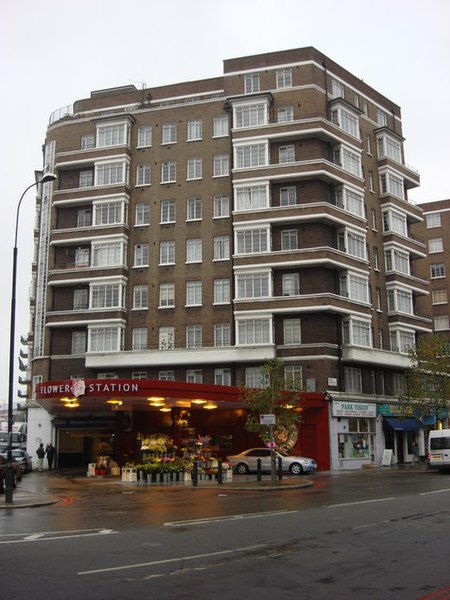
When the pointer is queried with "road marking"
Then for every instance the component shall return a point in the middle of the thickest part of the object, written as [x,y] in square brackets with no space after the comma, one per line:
[434,492]
[356,503]
[228,518]
[49,536]
[171,560]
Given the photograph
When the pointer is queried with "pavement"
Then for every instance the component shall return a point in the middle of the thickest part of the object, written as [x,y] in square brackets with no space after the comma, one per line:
[36,487]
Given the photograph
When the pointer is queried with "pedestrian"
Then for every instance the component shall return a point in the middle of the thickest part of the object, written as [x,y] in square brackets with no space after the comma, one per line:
[50,451]
[40,454]
[415,452]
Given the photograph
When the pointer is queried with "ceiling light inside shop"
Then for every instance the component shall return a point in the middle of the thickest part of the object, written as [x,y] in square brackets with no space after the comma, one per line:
[155,399]
[198,401]
[72,404]
[114,401]
[165,409]
[210,405]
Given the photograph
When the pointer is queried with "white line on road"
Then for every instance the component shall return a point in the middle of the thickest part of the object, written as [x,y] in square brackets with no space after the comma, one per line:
[228,518]
[49,536]
[356,503]
[171,560]
[434,492]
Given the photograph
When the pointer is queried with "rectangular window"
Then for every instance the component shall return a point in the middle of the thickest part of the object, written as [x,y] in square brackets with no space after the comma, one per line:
[254,331]
[107,295]
[350,201]
[221,247]
[144,136]
[168,171]
[389,147]
[289,239]
[395,221]
[285,114]
[193,293]
[293,377]
[194,210]
[222,376]
[291,332]
[109,213]
[254,378]
[143,175]
[107,254]
[166,338]
[194,130]
[222,335]
[105,339]
[112,173]
[194,250]
[86,179]
[286,154]
[381,117]
[253,155]
[87,142]
[194,336]
[251,83]
[441,323]
[84,217]
[140,296]
[169,133]
[347,159]
[290,284]
[139,375]
[436,245]
[221,165]
[220,126]
[392,184]
[432,220]
[439,296]
[252,285]
[288,196]
[250,115]
[252,241]
[142,213]
[402,340]
[221,291]
[81,257]
[251,198]
[396,260]
[166,295]
[141,255]
[353,380]
[284,77]
[337,88]
[166,375]
[194,376]
[354,287]
[221,206]
[168,211]
[194,168]
[112,135]
[78,342]
[352,243]
[346,121]
[80,299]
[167,252]
[139,338]
[437,271]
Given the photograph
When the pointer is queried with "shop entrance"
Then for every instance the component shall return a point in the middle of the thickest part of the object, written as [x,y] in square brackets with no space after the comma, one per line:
[76,448]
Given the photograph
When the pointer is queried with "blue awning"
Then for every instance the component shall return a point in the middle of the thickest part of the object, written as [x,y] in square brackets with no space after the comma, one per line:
[402,424]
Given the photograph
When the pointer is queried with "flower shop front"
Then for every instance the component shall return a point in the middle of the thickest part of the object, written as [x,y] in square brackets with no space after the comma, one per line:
[157,428]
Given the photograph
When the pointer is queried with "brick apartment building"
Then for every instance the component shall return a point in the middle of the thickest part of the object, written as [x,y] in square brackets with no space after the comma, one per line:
[199,229]
[435,231]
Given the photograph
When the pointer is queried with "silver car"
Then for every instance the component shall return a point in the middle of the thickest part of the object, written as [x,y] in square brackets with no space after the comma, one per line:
[247,461]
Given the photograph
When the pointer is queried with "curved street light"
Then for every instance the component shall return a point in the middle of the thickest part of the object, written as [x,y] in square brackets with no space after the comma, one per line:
[9,474]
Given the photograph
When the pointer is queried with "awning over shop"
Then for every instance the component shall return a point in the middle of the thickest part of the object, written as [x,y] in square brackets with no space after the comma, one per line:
[402,424]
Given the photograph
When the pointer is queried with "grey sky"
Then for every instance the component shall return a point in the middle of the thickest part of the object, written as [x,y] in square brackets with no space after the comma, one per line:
[55,52]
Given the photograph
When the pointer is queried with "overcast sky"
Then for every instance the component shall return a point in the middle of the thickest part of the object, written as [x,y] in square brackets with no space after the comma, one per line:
[55,52]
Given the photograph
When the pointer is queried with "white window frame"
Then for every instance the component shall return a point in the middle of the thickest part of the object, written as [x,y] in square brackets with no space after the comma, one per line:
[392,184]
[194,209]
[285,114]
[254,332]
[288,195]
[222,335]
[105,338]
[292,332]
[194,290]
[433,220]
[249,198]
[144,137]
[194,168]
[221,165]
[437,271]
[194,336]
[108,253]
[220,126]
[166,338]
[167,211]
[169,171]
[290,284]
[289,240]
[168,133]
[350,200]
[286,154]
[166,295]
[78,342]
[140,297]
[139,339]
[114,172]
[348,159]
[106,295]
[252,83]
[112,134]
[253,285]
[252,241]
[441,322]
[222,376]
[253,114]
[221,245]
[284,77]
[142,214]
[194,130]
[221,206]
[247,156]
[435,245]
[141,255]
[143,175]
[222,291]
[194,250]
[167,252]
[439,296]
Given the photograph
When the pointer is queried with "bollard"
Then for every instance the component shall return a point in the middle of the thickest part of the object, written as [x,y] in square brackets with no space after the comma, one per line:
[195,474]
[258,470]
[219,472]
[280,468]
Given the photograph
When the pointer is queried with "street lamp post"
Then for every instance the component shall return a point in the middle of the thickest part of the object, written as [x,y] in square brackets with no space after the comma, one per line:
[9,474]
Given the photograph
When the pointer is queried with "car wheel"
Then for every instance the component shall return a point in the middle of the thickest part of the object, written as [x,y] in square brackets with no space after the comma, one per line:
[296,469]
[241,468]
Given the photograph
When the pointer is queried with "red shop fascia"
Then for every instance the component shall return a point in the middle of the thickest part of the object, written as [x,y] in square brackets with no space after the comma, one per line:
[96,397]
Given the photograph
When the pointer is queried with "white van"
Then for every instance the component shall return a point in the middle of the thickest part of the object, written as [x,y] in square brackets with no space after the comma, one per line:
[439,449]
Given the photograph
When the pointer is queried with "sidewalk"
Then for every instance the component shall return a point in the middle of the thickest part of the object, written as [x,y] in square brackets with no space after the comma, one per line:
[34,490]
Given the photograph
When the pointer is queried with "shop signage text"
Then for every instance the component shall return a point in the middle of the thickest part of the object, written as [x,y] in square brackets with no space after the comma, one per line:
[353,409]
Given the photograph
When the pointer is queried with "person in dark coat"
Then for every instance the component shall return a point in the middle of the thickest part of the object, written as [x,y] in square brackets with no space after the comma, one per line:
[50,451]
